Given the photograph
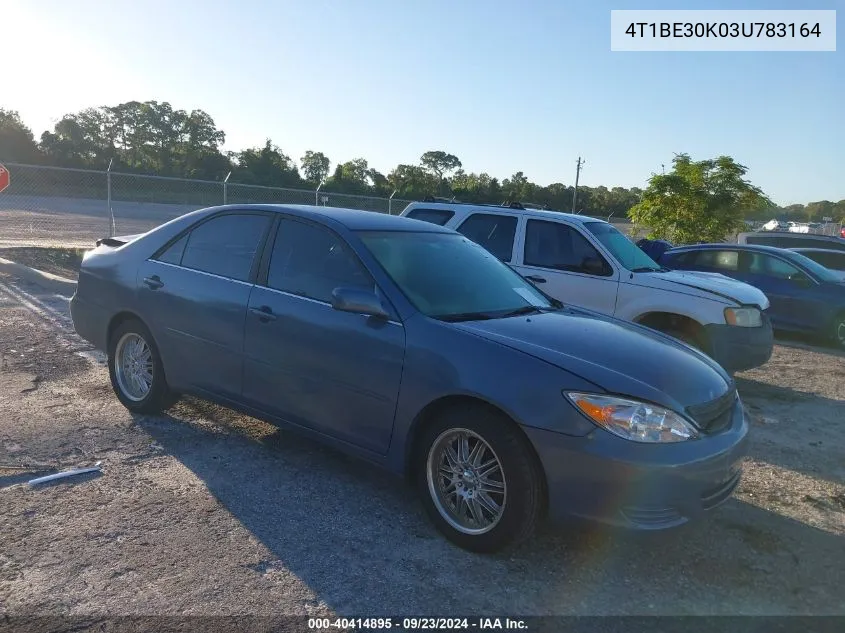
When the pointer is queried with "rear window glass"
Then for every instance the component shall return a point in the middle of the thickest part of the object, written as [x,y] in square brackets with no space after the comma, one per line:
[434,216]
[494,232]
[795,241]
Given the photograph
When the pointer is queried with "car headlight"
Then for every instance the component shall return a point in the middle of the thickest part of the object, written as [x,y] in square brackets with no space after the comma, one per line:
[633,420]
[743,317]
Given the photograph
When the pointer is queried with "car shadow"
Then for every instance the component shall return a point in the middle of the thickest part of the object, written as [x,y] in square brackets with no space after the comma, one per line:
[796,430]
[360,540]
[808,342]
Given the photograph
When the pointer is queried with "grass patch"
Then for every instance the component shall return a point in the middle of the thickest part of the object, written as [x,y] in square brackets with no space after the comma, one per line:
[64,262]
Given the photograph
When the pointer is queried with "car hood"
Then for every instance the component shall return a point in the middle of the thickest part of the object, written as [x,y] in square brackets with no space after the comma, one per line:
[617,356]
[714,283]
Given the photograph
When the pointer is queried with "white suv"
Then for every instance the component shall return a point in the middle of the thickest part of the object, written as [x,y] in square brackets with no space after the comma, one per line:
[587,262]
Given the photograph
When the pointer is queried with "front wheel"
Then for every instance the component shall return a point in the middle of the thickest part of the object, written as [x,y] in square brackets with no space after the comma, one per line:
[838,331]
[136,371]
[479,480]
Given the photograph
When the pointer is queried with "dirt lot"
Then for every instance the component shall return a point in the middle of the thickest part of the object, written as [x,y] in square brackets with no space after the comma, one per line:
[207,512]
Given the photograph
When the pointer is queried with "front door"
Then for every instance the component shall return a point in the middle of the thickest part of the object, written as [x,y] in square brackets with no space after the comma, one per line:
[796,303]
[565,265]
[335,372]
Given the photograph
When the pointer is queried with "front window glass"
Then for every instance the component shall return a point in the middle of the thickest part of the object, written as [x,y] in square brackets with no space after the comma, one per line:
[624,250]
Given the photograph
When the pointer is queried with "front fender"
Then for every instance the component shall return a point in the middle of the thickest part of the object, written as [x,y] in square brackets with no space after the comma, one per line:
[525,388]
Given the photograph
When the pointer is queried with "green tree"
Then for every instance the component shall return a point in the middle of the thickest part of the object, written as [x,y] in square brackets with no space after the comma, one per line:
[516,188]
[698,200]
[149,137]
[440,163]
[816,211]
[17,144]
[315,167]
[267,166]
[839,211]
[412,181]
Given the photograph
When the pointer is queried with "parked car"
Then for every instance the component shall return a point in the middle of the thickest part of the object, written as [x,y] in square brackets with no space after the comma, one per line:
[587,262]
[411,346]
[775,225]
[792,240]
[831,259]
[805,296]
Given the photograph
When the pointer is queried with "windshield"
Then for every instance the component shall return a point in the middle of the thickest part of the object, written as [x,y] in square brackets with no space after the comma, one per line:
[820,272]
[624,250]
[450,277]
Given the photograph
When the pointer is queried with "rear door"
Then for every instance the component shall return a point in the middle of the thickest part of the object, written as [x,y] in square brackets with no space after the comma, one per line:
[496,232]
[567,266]
[194,295]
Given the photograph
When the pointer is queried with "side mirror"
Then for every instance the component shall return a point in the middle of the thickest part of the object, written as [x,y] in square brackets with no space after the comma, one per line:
[358,301]
[593,266]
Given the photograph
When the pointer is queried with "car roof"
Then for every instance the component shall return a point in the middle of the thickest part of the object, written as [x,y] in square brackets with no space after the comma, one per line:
[731,246]
[353,219]
[806,249]
[546,214]
[812,236]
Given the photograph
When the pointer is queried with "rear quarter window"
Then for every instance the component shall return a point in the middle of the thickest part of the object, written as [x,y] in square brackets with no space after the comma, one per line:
[434,216]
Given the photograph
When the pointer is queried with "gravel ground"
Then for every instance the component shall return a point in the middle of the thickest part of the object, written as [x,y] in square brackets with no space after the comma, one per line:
[207,512]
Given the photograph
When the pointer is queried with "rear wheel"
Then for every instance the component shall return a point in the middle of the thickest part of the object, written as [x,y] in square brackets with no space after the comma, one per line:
[136,371]
[479,480]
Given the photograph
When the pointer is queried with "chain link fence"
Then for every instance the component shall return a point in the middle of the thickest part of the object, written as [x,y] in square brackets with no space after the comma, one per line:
[54,206]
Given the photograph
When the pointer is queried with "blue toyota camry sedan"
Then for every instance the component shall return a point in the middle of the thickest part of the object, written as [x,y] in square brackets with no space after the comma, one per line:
[409,345]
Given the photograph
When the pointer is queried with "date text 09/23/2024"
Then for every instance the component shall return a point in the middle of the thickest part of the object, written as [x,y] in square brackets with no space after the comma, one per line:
[416,624]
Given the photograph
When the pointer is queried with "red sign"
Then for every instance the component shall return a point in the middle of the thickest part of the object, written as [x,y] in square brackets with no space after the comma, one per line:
[4,178]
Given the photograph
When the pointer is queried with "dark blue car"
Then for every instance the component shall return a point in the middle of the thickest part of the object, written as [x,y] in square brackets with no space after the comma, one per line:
[411,346]
[804,296]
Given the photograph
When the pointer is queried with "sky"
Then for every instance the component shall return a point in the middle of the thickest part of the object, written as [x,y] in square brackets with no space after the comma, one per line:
[506,86]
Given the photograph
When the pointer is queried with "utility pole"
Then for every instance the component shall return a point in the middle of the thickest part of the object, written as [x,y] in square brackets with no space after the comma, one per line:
[577,174]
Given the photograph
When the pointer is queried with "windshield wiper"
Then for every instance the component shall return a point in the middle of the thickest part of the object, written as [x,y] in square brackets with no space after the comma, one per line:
[486,316]
[526,310]
[647,269]
[465,316]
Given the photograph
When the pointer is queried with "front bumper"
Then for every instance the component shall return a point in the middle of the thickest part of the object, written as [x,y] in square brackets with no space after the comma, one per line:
[741,348]
[605,478]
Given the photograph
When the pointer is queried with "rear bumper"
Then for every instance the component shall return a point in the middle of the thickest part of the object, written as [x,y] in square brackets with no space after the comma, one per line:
[605,478]
[90,321]
[741,348]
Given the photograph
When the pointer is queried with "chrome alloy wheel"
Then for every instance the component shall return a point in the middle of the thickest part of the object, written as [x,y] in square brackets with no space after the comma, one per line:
[134,366]
[466,481]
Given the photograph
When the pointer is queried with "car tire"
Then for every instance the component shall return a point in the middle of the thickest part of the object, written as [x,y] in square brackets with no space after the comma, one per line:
[837,333]
[685,337]
[515,484]
[136,370]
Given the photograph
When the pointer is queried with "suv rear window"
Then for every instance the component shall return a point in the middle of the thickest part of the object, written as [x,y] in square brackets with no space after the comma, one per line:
[435,216]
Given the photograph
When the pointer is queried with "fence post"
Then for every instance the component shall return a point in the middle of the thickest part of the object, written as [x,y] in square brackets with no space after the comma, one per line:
[226,188]
[317,195]
[112,227]
[390,202]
